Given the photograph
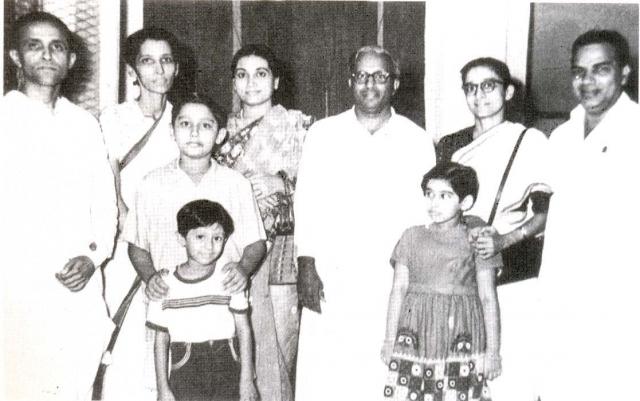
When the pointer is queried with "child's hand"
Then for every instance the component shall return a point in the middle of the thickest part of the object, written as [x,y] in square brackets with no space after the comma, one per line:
[248,391]
[386,351]
[166,395]
[492,366]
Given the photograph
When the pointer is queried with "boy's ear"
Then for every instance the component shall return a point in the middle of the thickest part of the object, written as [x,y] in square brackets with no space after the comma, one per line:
[466,203]
[181,240]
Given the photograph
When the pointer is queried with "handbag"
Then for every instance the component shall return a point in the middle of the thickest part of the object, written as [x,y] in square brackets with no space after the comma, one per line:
[521,261]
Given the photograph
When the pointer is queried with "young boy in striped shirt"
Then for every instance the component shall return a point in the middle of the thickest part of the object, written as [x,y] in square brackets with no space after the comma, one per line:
[199,320]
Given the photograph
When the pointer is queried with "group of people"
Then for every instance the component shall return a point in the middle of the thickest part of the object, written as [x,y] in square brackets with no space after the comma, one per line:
[352,258]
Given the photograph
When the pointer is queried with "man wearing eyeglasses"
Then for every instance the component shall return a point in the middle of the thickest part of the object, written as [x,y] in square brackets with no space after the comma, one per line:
[358,189]
[589,274]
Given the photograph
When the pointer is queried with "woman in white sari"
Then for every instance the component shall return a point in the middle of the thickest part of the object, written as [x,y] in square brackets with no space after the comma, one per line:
[487,147]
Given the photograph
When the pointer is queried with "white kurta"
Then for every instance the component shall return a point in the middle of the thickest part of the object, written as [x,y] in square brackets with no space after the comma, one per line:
[355,195]
[131,373]
[58,198]
[589,275]
[488,155]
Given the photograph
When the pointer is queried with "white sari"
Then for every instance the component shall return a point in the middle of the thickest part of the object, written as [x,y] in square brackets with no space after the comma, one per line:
[489,155]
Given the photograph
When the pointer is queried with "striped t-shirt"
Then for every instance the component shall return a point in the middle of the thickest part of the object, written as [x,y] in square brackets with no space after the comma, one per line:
[197,310]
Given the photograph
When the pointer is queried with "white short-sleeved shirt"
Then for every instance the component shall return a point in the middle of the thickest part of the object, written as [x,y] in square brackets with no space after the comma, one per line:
[151,222]
[198,310]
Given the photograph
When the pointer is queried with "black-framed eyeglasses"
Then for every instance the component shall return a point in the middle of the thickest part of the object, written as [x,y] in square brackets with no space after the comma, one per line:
[379,77]
[487,86]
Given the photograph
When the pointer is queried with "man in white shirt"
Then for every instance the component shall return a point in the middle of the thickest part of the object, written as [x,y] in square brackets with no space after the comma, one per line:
[358,188]
[588,276]
[59,215]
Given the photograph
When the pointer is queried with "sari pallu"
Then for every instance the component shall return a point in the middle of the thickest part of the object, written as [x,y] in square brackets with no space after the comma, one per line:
[489,155]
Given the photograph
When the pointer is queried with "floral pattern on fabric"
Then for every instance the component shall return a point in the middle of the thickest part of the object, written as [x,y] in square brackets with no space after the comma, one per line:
[454,378]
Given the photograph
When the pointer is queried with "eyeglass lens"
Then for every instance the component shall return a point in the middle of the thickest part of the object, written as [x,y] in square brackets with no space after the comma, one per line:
[379,77]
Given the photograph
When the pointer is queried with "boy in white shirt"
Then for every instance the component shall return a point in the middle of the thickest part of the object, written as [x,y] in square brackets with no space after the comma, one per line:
[199,319]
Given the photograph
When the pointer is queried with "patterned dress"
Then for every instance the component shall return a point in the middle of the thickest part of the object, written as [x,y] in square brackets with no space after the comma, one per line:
[440,342]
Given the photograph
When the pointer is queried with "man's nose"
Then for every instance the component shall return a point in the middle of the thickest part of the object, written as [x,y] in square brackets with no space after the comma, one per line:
[369,81]
[46,53]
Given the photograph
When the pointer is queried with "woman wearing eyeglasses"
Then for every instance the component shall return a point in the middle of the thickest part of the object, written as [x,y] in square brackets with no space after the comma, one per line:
[487,146]
[264,144]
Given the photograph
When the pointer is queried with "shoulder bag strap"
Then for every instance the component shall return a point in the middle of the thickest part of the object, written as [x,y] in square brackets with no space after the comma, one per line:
[504,177]
[135,150]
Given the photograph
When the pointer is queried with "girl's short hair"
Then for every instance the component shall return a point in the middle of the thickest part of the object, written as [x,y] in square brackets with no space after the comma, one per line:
[195,98]
[463,179]
[203,213]
[497,66]
[134,42]
[258,50]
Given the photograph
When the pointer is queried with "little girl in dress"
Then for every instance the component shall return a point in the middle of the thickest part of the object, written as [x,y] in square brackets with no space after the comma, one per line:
[443,322]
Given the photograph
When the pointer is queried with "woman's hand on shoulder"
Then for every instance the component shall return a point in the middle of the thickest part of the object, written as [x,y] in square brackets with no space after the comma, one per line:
[489,242]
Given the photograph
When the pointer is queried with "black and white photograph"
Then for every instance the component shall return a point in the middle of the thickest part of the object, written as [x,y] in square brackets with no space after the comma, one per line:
[301,200]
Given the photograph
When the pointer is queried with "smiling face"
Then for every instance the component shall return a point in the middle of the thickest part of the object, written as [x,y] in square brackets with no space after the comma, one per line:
[597,78]
[204,245]
[155,67]
[253,81]
[195,130]
[485,104]
[370,97]
[43,55]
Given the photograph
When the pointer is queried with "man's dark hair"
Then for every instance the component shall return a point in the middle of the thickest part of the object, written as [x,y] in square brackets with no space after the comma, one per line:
[203,213]
[618,43]
[463,179]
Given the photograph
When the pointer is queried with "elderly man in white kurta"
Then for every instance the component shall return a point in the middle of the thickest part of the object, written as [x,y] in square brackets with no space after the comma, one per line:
[358,189]
[59,217]
[589,275]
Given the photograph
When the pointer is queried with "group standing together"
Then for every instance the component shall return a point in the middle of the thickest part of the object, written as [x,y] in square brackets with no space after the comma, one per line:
[348,259]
